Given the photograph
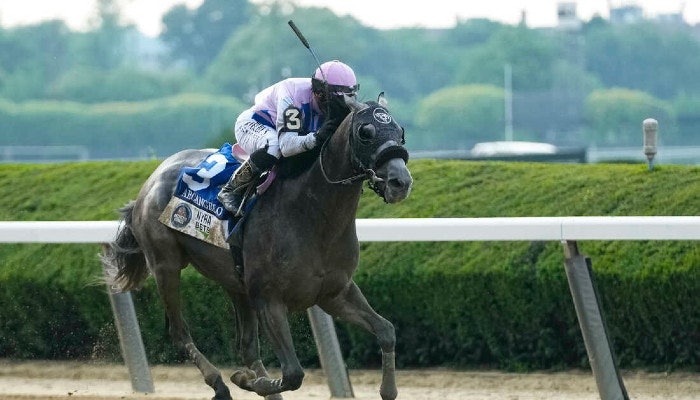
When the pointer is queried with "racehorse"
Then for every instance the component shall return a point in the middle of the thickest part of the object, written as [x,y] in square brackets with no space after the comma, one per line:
[299,249]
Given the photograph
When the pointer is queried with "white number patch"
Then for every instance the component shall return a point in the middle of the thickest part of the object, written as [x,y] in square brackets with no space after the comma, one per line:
[214,164]
[292,119]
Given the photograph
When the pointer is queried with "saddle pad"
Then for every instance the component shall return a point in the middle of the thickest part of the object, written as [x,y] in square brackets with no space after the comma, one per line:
[194,208]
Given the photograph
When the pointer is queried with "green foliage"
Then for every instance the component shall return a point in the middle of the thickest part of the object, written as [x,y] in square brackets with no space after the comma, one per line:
[687,109]
[150,128]
[614,115]
[90,85]
[472,32]
[408,71]
[104,46]
[242,69]
[198,35]
[530,54]
[459,304]
[33,57]
[237,48]
[462,115]
[644,56]
[571,78]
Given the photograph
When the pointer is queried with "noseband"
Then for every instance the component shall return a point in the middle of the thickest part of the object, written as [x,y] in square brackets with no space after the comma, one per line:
[375,139]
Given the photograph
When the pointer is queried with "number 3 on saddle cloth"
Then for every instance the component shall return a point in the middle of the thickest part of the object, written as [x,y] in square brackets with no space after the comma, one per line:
[194,208]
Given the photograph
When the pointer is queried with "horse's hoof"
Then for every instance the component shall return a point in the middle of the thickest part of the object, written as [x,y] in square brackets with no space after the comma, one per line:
[274,397]
[222,397]
[221,391]
[388,393]
[243,377]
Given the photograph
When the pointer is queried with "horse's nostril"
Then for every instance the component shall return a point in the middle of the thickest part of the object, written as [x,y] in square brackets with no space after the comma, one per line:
[395,183]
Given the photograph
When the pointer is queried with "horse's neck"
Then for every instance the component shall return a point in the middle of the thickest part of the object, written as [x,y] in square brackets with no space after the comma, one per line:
[340,200]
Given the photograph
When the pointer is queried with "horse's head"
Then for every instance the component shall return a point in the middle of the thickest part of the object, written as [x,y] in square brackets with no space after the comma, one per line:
[377,148]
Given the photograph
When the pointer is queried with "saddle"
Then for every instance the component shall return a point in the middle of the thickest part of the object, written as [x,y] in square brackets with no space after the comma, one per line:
[194,209]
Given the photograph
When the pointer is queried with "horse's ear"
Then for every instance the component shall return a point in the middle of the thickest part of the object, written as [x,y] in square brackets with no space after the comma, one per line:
[382,100]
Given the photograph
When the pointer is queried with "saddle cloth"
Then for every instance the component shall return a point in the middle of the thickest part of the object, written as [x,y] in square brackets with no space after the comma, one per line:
[194,208]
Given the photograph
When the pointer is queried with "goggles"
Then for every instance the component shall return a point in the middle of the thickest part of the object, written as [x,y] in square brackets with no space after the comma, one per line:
[318,85]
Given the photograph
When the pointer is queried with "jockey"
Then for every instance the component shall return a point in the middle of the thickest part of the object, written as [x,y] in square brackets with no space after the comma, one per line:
[290,117]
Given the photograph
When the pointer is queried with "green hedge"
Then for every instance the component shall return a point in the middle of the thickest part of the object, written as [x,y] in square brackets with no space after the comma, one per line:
[119,130]
[461,304]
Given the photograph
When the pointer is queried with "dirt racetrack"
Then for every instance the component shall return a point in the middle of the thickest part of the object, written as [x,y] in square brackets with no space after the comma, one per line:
[23,380]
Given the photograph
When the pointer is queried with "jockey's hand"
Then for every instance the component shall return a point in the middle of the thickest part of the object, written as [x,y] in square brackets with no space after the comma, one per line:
[337,109]
[326,130]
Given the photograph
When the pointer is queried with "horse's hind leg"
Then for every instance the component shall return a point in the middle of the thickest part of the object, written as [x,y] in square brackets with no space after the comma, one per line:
[168,281]
[248,343]
[352,306]
[273,317]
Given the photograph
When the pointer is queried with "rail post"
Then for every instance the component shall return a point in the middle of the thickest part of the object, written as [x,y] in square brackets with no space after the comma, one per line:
[590,318]
[130,341]
[329,353]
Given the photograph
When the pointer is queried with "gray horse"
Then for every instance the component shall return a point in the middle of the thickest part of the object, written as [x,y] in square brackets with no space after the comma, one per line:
[299,249]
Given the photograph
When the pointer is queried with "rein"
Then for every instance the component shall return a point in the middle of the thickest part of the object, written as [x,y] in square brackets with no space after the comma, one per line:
[367,174]
[375,148]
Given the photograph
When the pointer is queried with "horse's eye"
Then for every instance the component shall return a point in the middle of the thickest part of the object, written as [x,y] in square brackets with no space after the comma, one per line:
[367,132]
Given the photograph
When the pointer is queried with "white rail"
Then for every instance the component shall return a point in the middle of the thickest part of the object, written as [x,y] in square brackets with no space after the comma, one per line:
[414,229]
[565,229]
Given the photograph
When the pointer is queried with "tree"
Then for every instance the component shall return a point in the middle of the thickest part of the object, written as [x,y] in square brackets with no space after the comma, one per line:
[32,57]
[614,116]
[92,85]
[197,36]
[266,50]
[472,32]
[410,63]
[104,44]
[644,57]
[530,54]
[687,111]
[459,116]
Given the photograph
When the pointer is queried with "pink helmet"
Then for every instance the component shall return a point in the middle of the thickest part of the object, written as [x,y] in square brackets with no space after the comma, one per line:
[338,77]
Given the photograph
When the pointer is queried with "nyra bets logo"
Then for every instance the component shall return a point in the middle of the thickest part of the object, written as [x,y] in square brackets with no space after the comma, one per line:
[182,214]
[381,115]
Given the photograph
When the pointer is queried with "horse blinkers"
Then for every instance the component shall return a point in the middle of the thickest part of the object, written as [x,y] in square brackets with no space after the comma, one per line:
[375,139]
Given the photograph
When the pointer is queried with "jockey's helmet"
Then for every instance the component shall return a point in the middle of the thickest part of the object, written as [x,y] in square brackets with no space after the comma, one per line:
[336,78]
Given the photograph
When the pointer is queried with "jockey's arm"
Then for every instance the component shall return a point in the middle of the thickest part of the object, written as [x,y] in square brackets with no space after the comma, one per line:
[290,125]
[291,143]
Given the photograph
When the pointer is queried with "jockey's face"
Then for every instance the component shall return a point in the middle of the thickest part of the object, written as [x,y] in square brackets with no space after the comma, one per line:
[321,101]
[316,103]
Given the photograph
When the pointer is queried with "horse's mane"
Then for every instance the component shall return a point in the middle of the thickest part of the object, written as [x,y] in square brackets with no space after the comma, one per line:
[291,167]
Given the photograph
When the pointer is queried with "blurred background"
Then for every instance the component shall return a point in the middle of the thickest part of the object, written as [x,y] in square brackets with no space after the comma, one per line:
[128,79]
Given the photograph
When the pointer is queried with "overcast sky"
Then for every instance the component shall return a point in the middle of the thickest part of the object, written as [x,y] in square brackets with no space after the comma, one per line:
[376,13]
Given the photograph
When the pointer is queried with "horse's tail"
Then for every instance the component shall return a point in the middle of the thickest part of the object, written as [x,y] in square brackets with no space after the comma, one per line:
[123,259]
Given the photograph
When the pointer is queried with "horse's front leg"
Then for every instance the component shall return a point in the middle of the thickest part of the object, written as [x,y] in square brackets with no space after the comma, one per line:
[352,306]
[273,316]
[248,343]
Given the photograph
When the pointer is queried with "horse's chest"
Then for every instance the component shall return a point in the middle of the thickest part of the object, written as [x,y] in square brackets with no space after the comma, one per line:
[305,289]
[334,283]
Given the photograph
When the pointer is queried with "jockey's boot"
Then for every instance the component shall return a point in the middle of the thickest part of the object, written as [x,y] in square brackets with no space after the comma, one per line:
[231,194]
